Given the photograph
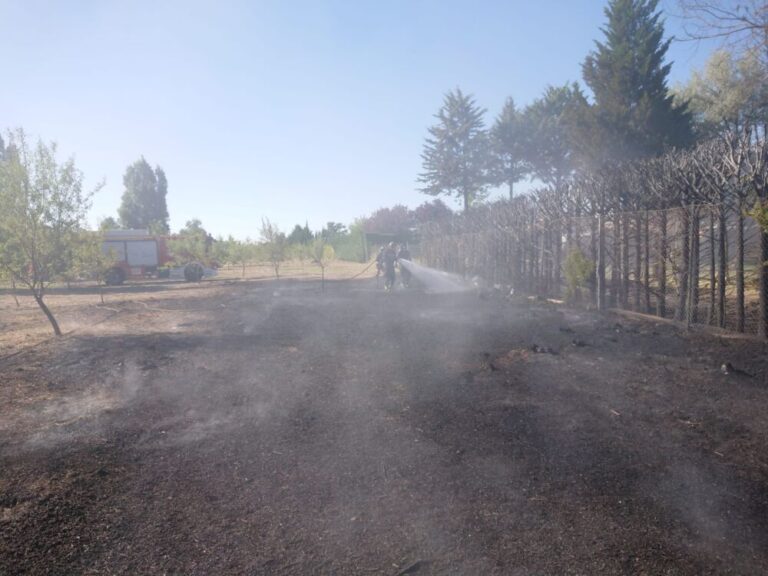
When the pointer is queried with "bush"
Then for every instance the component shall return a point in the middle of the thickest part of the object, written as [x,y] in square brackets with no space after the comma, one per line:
[579,271]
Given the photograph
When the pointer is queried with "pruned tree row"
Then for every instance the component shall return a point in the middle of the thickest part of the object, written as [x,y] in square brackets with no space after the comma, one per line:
[681,235]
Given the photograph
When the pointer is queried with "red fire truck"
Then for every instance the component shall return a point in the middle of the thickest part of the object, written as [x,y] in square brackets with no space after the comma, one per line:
[137,254]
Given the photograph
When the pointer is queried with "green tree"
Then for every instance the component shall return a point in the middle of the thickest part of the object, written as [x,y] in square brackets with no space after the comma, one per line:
[332,231]
[351,246]
[509,140]
[456,157]
[551,121]
[275,244]
[44,213]
[192,244]
[434,211]
[143,204]
[91,261]
[240,252]
[633,114]
[193,227]
[322,255]
[301,235]
[109,223]
[396,220]
[729,94]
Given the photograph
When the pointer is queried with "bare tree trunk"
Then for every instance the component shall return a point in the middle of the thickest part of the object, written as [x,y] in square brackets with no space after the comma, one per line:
[638,257]
[647,264]
[722,262]
[558,258]
[601,263]
[661,307]
[13,292]
[540,263]
[532,256]
[596,227]
[615,265]
[692,315]
[682,284]
[625,260]
[712,274]
[48,314]
[762,321]
[740,267]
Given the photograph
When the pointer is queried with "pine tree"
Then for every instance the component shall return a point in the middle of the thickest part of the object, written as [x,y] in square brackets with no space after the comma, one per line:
[633,114]
[456,157]
[508,143]
[550,123]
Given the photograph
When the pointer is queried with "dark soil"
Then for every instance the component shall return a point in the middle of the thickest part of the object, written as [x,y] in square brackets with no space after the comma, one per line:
[268,429]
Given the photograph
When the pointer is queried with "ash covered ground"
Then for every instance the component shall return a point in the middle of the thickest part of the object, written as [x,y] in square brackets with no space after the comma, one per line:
[266,428]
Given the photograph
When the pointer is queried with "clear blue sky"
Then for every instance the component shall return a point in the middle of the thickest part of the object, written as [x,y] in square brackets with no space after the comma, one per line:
[293,110]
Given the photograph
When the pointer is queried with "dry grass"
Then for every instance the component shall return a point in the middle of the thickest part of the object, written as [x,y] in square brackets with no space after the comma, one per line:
[81,306]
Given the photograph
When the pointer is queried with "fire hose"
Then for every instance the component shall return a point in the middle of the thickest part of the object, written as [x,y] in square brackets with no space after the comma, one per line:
[363,271]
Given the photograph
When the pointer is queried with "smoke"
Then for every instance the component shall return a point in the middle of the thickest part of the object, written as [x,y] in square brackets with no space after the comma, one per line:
[79,416]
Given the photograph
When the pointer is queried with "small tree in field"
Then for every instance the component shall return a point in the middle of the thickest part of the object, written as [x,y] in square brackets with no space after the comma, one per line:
[299,252]
[239,252]
[275,243]
[322,255]
[44,208]
[5,276]
[91,262]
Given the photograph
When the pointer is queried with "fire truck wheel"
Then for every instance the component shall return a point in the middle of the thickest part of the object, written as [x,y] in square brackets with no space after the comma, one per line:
[193,272]
[114,277]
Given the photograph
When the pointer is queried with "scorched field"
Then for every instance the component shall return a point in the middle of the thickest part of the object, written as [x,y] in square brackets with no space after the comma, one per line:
[269,428]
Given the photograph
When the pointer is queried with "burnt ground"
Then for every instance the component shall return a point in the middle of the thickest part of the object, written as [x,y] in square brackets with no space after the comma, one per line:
[264,428]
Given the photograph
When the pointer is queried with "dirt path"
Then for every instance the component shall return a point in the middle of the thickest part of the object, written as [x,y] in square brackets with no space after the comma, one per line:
[264,428]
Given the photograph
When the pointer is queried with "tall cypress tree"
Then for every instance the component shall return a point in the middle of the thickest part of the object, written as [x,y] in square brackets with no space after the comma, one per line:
[633,115]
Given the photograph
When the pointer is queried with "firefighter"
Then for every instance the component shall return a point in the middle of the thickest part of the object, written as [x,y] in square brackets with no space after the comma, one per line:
[379,263]
[405,274]
[389,258]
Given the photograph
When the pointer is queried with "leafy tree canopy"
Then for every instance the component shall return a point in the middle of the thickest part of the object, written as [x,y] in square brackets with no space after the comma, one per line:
[44,209]
[301,235]
[434,211]
[143,204]
[728,94]
[551,122]
[109,223]
[395,220]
